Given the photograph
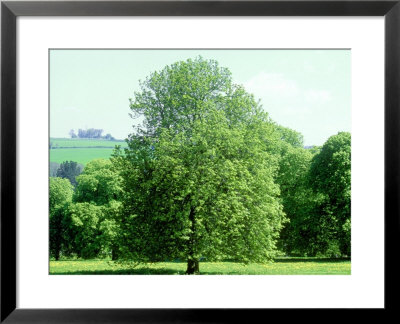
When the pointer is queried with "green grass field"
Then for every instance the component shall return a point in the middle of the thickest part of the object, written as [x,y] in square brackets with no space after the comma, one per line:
[81,150]
[84,142]
[290,266]
[80,155]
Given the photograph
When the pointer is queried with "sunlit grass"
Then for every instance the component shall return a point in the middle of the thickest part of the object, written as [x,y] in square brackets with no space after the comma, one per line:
[304,266]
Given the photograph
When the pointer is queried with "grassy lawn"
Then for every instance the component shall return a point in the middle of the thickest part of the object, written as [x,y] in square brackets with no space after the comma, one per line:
[287,266]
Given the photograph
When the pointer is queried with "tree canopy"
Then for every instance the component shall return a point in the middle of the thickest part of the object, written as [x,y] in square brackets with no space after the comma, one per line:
[60,192]
[98,183]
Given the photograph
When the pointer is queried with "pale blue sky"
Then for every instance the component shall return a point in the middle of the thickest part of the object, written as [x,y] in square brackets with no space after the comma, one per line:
[306,90]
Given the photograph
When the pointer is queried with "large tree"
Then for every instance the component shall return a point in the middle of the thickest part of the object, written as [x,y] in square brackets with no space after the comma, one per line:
[92,217]
[298,199]
[198,175]
[330,176]
[60,195]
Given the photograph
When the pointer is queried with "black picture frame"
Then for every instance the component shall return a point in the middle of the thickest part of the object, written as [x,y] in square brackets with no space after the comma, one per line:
[10,10]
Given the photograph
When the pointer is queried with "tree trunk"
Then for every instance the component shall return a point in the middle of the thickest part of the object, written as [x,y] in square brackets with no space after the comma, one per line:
[193,263]
[192,267]
[114,255]
[57,254]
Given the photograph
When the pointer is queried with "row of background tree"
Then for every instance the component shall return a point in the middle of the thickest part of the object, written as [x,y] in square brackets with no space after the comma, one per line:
[91,133]
[315,194]
[208,175]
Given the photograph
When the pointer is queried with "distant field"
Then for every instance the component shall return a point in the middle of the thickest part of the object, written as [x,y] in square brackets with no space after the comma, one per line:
[80,155]
[78,142]
[81,150]
[279,267]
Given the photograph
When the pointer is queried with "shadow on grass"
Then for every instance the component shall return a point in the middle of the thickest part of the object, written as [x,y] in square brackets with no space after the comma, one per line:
[142,271]
[315,260]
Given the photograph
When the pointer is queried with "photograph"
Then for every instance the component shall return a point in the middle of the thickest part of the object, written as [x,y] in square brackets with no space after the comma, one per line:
[199,161]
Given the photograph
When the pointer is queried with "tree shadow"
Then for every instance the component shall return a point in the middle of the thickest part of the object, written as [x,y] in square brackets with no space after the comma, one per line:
[315,260]
[141,271]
